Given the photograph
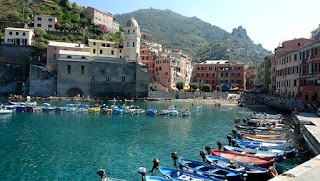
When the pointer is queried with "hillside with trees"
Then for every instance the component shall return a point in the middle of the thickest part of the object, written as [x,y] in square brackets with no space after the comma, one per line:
[72,26]
[200,39]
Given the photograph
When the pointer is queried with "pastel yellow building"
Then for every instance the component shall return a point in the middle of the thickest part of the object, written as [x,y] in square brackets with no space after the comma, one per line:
[105,48]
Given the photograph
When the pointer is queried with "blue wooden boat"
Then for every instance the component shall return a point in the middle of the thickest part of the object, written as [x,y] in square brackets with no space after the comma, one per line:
[21,108]
[152,112]
[250,169]
[282,145]
[211,170]
[118,111]
[176,174]
[156,178]
[288,151]
[259,153]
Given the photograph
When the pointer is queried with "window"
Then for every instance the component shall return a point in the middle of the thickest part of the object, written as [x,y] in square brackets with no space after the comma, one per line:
[38,25]
[10,33]
[49,19]
[295,57]
[54,56]
[207,74]
[94,43]
[100,51]
[17,33]
[120,51]
[107,78]
[238,74]
[166,73]
[294,82]
[83,57]
[94,50]
[39,18]
[112,52]
[227,75]
[212,81]
[23,34]
[108,45]
[298,44]
[69,69]
[82,69]
[213,75]
[127,44]
[232,75]
[133,31]
[132,44]
[49,26]
[123,78]
[128,31]
[221,75]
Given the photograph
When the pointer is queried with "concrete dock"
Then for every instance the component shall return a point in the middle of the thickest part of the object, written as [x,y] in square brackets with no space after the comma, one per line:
[309,126]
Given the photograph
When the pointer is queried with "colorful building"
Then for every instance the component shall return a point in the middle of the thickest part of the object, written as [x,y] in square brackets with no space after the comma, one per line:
[100,18]
[105,48]
[309,73]
[220,74]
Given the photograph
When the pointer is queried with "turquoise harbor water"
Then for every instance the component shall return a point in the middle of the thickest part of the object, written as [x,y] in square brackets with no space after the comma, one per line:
[73,146]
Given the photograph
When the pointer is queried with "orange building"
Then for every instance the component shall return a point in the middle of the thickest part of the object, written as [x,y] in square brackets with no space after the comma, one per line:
[147,58]
[219,73]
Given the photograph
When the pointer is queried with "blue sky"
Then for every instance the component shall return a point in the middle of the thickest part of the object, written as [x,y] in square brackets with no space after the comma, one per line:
[268,22]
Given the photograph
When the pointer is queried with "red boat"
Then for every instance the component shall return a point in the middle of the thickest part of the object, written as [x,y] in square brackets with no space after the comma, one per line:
[258,161]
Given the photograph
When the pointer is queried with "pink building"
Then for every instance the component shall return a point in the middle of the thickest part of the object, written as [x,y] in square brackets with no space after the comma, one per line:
[286,66]
[53,49]
[170,70]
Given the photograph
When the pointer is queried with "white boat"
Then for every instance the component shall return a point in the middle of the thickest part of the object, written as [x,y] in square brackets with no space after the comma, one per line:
[174,113]
[47,107]
[186,113]
[5,111]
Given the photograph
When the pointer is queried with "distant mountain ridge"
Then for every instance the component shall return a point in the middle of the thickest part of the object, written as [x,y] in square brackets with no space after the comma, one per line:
[198,38]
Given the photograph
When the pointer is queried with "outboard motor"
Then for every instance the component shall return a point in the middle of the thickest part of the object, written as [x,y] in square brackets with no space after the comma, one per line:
[203,155]
[208,148]
[102,174]
[233,143]
[156,164]
[234,131]
[143,172]
[219,145]
[244,120]
[175,157]
[229,139]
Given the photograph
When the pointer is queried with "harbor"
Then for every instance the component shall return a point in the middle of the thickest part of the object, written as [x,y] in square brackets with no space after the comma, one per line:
[51,145]
[309,126]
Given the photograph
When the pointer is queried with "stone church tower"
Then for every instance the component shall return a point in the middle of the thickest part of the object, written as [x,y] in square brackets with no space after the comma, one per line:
[131,44]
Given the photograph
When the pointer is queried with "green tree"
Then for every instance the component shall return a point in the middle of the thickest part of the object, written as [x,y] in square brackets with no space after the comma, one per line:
[206,88]
[194,86]
[179,85]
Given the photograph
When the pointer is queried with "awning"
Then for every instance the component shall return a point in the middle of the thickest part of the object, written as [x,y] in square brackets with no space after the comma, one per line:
[314,78]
